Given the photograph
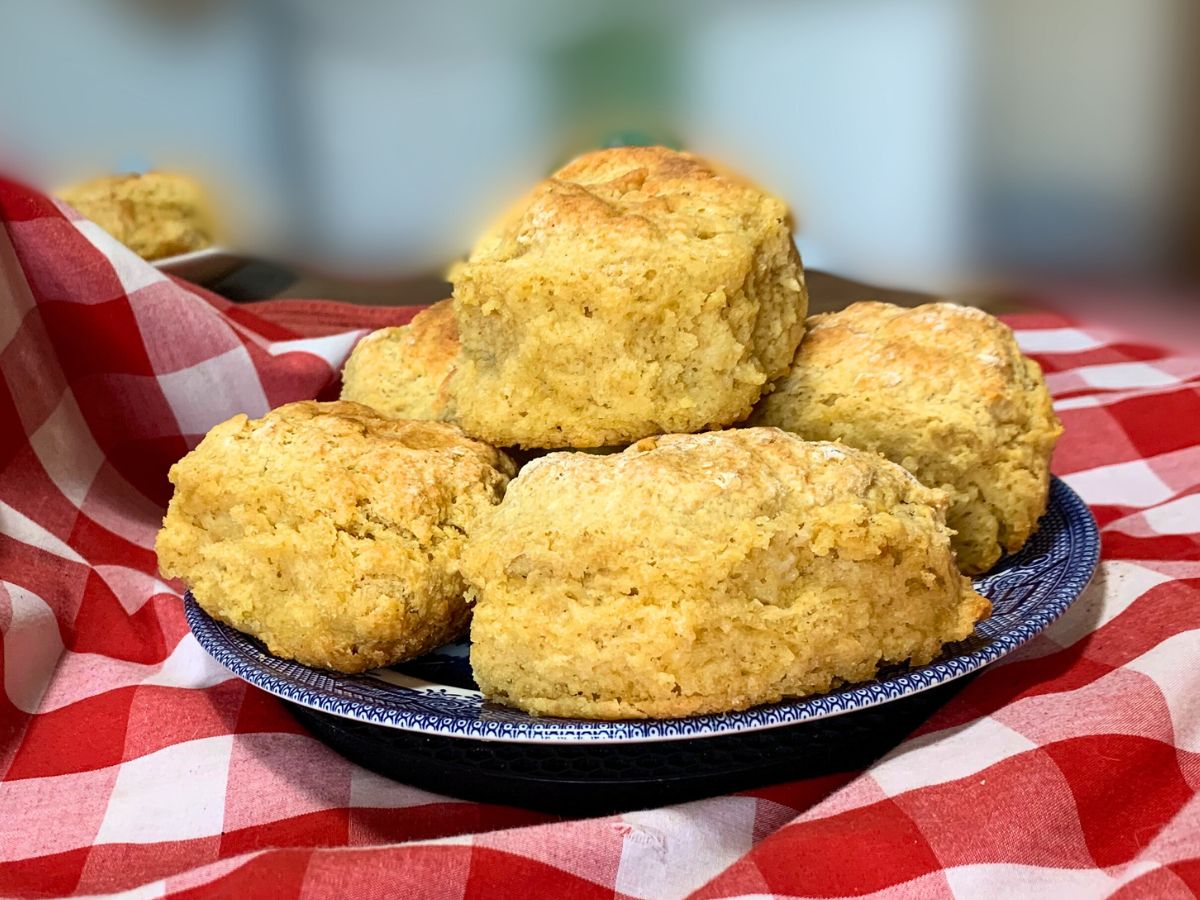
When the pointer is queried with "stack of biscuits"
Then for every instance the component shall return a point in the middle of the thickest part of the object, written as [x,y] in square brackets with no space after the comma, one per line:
[725,503]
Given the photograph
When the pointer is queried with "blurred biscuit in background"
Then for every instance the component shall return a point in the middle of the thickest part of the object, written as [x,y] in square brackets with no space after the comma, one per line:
[157,214]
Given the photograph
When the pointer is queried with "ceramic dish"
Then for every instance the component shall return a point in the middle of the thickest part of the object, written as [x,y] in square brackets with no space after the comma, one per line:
[435,694]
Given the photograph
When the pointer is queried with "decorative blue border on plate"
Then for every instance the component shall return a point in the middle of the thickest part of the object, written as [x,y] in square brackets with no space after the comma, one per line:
[1028,590]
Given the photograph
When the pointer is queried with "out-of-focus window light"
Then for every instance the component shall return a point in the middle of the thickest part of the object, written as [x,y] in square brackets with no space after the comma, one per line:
[920,142]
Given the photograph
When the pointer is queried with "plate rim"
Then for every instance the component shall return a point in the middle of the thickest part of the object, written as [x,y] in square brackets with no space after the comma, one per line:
[231,649]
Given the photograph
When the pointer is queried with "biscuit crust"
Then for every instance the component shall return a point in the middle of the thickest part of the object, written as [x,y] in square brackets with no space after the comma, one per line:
[709,572]
[402,371]
[329,532]
[636,291]
[944,391]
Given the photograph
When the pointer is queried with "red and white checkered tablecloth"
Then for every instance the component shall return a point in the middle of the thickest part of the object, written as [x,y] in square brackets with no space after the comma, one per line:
[130,761]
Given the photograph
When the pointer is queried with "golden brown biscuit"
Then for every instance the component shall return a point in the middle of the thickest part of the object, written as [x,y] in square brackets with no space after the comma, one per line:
[944,391]
[157,214]
[708,572]
[329,532]
[636,291]
[402,371]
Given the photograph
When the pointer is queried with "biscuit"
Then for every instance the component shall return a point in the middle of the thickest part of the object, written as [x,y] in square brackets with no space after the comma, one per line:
[701,573]
[944,391]
[401,372]
[331,533]
[636,291]
[157,214]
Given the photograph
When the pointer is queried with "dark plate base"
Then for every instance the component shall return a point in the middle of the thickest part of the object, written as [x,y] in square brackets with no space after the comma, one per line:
[597,779]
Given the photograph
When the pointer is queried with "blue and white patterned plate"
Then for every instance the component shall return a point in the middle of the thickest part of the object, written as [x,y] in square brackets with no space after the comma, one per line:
[435,694]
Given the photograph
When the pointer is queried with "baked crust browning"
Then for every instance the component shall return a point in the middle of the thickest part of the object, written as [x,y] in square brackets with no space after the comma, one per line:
[944,391]
[329,532]
[710,572]
[637,291]
[402,371]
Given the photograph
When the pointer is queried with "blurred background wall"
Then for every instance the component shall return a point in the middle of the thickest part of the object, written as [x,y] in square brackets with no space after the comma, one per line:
[921,142]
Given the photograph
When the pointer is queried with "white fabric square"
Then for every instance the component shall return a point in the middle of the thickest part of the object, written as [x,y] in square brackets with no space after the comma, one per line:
[333,348]
[189,666]
[1116,585]
[32,648]
[672,852]
[1180,516]
[21,528]
[1086,401]
[1130,483]
[173,794]
[948,755]
[1031,882]
[132,588]
[151,891]
[85,675]
[1056,340]
[66,449]
[210,392]
[15,300]
[132,271]
[115,504]
[368,790]
[1172,666]
[1119,376]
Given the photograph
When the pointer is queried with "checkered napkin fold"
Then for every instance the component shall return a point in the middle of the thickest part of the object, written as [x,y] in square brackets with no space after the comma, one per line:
[130,761]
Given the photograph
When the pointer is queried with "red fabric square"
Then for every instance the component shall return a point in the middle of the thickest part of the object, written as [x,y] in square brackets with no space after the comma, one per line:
[382,874]
[119,867]
[55,875]
[102,340]
[103,626]
[12,439]
[290,376]
[493,872]
[162,716]
[854,852]
[1188,872]
[278,875]
[960,822]
[60,264]
[263,712]
[1162,425]
[1126,789]
[1092,437]
[58,581]
[143,443]
[323,827]
[51,744]
[21,203]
